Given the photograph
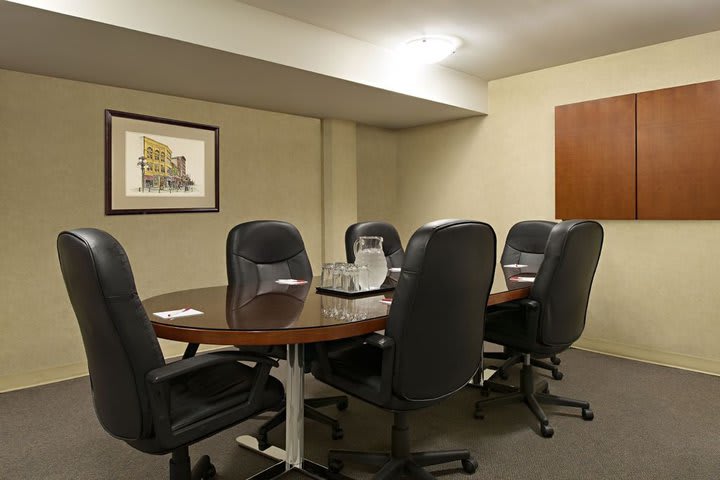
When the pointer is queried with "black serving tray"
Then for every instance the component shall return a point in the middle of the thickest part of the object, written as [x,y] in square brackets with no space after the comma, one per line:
[364,293]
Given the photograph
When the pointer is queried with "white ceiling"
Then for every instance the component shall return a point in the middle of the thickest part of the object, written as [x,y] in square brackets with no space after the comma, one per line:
[248,57]
[329,58]
[508,37]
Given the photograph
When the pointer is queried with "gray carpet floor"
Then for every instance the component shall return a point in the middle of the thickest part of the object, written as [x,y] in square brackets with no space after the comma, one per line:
[651,422]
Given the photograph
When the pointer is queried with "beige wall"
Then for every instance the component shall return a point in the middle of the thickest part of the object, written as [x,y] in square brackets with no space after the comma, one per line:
[51,154]
[654,296]
[339,173]
[649,299]
[377,175]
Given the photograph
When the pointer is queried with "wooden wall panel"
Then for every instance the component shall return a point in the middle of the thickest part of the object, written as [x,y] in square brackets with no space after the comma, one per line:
[678,153]
[595,159]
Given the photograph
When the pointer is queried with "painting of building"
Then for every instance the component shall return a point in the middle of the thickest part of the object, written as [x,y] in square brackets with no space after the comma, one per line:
[161,171]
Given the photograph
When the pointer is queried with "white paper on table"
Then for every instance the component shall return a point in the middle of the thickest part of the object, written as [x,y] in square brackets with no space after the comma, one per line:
[523,279]
[290,281]
[515,265]
[183,312]
[395,269]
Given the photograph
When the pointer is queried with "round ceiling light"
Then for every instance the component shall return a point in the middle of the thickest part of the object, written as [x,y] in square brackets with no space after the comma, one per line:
[430,48]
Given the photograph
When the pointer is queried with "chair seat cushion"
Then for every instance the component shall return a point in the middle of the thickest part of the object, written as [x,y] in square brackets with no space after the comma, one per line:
[507,324]
[206,392]
[357,362]
[356,369]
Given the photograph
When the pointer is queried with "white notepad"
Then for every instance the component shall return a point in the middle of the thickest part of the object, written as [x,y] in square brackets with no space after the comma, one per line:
[183,312]
[523,279]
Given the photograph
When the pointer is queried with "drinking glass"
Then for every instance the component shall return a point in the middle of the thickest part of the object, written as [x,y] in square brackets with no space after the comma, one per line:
[326,280]
[337,276]
[350,279]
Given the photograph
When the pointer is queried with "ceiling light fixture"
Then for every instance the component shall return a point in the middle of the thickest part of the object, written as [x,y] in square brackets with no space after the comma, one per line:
[429,48]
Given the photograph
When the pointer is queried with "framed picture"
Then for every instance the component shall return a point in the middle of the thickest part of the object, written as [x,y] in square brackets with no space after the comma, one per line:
[158,165]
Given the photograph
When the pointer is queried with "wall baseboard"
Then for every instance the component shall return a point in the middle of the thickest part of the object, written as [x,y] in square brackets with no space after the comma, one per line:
[649,355]
[19,381]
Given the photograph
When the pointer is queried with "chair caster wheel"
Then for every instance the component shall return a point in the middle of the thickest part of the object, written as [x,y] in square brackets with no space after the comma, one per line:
[342,405]
[479,414]
[337,433]
[210,472]
[557,374]
[546,431]
[469,466]
[587,414]
[335,465]
[555,360]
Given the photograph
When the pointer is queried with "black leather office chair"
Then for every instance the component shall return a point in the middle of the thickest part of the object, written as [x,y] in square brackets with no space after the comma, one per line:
[438,307]
[552,318]
[264,251]
[392,247]
[154,407]
[525,245]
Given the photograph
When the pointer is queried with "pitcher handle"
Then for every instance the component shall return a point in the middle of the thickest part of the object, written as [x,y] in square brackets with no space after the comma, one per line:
[355,247]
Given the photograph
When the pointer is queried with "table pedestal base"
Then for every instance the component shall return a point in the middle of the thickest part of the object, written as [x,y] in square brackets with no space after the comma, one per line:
[279,469]
[293,457]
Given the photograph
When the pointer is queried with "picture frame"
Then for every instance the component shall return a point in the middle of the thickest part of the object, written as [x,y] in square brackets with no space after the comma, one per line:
[160,165]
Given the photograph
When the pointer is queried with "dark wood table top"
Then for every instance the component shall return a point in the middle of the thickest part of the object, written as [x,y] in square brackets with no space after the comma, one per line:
[272,314]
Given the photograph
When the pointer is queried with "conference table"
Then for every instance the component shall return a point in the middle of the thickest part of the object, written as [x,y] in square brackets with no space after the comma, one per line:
[269,313]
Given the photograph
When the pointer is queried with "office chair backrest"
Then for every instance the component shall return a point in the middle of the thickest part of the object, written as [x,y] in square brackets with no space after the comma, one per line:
[562,286]
[392,247]
[266,250]
[120,344]
[525,244]
[438,310]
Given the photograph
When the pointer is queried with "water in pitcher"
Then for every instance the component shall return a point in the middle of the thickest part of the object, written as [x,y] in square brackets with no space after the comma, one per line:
[377,266]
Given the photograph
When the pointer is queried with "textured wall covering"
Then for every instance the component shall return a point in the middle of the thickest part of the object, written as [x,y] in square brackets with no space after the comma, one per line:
[377,176]
[655,295]
[51,165]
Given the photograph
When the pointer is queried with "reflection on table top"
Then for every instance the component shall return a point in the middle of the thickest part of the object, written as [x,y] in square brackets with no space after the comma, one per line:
[282,313]
[262,306]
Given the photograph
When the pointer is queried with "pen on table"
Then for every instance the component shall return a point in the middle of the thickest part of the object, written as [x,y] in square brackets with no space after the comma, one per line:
[175,314]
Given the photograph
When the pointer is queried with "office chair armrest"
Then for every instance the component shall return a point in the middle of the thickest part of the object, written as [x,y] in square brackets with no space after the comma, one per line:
[158,381]
[528,304]
[387,345]
[185,366]
[243,356]
[379,341]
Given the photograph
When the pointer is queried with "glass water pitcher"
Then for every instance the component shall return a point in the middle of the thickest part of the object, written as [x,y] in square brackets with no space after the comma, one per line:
[369,252]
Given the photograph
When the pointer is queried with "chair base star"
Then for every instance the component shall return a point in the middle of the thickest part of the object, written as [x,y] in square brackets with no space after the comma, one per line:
[533,395]
[400,461]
